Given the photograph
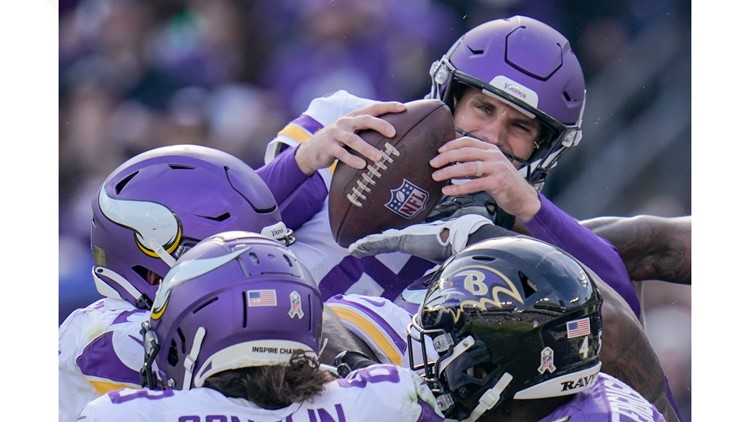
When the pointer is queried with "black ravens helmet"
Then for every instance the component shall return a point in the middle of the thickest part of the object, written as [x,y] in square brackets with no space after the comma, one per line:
[509,318]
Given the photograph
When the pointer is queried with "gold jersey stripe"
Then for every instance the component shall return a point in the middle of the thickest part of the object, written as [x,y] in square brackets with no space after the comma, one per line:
[295,132]
[301,135]
[371,330]
[103,387]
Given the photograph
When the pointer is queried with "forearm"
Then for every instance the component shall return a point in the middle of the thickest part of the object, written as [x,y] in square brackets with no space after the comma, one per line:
[298,196]
[653,248]
[282,175]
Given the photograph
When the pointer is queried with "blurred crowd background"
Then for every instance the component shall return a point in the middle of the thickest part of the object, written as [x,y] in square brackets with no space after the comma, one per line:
[136,74]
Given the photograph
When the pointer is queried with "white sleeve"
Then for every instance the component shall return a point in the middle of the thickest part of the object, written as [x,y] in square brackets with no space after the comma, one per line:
[393,393]
[74,390]
[378,322]
[321,112]
[99,350]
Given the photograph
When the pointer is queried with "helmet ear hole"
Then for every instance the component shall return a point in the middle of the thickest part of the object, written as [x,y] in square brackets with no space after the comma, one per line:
[172,356]
[479,372]
[142,272]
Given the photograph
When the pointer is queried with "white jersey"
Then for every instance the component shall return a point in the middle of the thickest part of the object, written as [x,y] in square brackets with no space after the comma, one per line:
[377,322]
[382,275]
[100,350]
[376,393]
[380,324]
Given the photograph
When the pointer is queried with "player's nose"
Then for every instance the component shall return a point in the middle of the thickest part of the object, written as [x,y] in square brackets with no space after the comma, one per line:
[494,133]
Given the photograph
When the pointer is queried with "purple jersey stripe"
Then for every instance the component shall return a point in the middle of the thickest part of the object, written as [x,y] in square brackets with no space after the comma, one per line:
[99,359]
[350,269]
[428,413]
[308,123]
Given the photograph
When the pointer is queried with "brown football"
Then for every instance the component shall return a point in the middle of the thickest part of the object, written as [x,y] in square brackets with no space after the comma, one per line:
[398,190]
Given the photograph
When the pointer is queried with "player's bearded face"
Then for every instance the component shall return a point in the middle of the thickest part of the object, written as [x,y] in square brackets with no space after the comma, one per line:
[496,122]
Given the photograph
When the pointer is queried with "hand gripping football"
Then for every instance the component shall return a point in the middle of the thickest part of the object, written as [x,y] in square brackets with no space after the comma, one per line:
[398,190]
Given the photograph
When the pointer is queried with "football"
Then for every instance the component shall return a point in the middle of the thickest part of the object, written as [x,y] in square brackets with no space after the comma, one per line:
[398,190]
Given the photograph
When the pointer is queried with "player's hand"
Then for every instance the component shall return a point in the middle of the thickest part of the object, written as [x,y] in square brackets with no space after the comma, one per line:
[330,143]
[434,241]
[350,360]
[487,169]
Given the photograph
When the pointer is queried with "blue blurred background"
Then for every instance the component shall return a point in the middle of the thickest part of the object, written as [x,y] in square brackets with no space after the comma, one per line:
[136,74]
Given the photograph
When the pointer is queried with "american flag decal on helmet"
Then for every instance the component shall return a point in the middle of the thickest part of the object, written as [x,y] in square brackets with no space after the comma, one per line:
[261,298]
[578,328]
[408,200]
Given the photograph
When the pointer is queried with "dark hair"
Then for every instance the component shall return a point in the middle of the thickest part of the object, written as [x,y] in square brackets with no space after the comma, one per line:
[273,387]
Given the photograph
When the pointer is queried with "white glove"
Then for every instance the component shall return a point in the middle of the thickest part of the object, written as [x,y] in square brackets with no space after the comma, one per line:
[435,241]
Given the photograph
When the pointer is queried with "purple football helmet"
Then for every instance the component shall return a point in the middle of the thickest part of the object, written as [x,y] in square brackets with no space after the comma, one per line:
[234,300]
[528,65]
[161,202]
[510,318]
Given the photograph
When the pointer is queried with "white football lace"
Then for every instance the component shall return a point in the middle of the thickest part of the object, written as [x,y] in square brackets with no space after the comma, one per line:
[372,171]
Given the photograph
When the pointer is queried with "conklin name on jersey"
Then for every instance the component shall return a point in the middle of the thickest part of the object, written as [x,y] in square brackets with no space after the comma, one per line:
[377,393]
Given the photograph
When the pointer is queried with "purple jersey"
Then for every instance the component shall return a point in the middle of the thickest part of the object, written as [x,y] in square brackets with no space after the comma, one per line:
[609,399]
[554,226]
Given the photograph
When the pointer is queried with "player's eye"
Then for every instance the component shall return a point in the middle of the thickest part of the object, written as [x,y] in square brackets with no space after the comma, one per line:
[485,109]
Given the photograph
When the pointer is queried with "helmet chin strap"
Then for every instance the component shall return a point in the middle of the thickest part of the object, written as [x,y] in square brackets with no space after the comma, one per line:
[106,290]
[490,398]
[151,346]
[192,357]
[322,347]
[159,250]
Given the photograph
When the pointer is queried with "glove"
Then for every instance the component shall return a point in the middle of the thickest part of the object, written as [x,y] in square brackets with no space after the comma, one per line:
[480,203]
[435,241]
[348,361]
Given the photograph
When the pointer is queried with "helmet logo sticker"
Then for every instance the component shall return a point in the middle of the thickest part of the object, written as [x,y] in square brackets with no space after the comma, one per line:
[154,224]
[548,361]
[578,328]
[295,310]
[408,200]
[472,281]
[265,297]
[516,90]
[185,271]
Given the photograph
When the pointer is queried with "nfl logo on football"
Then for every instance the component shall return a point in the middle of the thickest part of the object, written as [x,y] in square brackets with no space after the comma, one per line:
[408,200]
